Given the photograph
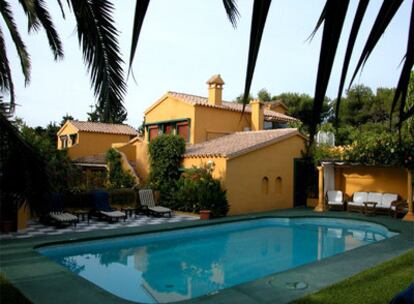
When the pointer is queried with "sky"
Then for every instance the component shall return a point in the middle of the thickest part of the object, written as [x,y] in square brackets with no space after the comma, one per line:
[184,42]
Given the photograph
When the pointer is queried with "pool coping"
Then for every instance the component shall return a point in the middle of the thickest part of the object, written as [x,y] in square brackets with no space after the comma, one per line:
[43,281]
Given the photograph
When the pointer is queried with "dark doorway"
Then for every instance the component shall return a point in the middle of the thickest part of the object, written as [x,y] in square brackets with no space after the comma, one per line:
[305,181]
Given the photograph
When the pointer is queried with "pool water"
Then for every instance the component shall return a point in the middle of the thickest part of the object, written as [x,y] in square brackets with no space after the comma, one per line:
[182,264]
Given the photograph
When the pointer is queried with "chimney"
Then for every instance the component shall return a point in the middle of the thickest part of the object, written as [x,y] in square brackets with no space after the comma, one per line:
[215,87]
[257,115]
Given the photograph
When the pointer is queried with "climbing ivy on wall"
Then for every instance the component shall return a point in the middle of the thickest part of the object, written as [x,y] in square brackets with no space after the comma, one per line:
[166,154]
[117,177]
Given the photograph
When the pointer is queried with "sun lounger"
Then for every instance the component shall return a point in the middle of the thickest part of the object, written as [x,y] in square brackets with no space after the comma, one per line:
[147,199]
[102,209]
[57,215]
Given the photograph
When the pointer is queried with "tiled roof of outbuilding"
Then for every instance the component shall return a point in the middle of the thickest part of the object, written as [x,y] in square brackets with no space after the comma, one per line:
[98,127]
[239,143]
[230,106]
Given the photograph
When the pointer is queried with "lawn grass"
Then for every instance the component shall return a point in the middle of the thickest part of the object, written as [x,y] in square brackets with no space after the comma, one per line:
[9,294]
[376,285]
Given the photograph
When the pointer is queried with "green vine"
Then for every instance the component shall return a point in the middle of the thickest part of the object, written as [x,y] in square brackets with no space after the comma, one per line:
[117,177]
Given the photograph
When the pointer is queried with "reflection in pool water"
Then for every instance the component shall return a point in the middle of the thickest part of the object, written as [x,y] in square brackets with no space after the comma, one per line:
[183,264]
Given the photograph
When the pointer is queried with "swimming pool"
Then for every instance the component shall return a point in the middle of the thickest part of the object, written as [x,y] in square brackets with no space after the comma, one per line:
[183,264]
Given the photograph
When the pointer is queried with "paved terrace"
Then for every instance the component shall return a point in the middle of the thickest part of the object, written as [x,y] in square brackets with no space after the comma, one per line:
[35,228]
[43,281]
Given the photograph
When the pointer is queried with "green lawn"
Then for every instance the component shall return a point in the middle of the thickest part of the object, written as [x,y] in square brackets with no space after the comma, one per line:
[9,294]
[376,285]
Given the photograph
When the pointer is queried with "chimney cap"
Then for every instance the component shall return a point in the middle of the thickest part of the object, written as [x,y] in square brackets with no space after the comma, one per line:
[215,79]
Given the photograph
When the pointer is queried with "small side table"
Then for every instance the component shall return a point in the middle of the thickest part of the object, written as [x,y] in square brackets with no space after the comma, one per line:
[369,208]
[129,211]
[82,214]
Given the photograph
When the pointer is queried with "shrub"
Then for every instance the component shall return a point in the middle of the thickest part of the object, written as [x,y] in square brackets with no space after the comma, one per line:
[166,153]
[198,190]
[123,197]
[117,177]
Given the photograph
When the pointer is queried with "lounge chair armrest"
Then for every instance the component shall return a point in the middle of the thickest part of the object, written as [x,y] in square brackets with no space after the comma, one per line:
[347,198]
[399,203]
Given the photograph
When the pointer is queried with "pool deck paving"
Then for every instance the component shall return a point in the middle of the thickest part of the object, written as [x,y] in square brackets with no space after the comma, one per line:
[43,281]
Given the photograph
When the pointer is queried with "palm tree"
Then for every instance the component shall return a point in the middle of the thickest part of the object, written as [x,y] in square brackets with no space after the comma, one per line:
[22,168]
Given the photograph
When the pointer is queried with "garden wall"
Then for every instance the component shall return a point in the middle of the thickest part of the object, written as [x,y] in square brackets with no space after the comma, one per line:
[371,179]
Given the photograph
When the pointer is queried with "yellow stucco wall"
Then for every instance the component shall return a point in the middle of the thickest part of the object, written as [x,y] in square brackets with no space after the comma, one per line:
[279,109]
[128,149]
[371,179]
[244,177]
[212,123]
[94,143]
[219,166]
[171,109]
[142,159]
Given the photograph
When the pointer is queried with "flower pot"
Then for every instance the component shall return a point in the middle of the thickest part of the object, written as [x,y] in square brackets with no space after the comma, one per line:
[204,214]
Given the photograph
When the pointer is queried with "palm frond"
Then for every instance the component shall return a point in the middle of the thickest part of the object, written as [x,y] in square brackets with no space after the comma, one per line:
[318,24]
[259,15]
[98,39]
[61,8]
[232,12]
[29,9]
[384,17]
[359,15]
[46,21]
[6,80]
[333,23]
[18,42]
[141,7]
[403,83]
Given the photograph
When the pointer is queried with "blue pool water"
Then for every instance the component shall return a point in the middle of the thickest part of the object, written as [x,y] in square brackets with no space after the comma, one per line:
[183,264]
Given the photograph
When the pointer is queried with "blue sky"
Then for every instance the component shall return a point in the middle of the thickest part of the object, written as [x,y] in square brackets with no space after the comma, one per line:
[184,42]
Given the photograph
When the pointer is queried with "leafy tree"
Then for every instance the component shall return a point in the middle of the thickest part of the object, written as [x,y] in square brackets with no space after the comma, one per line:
[65,118]
[300,106]
[239,99]
[63,174]
[264,95]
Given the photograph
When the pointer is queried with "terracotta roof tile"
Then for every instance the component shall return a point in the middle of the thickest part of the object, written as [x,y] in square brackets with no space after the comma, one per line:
[230,106]
[99,127]
[239,143]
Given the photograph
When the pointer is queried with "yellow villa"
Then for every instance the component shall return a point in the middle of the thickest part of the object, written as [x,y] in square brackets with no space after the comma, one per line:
[253,150]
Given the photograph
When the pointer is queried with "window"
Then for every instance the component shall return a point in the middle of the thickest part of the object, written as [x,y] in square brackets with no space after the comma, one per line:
[270,125]
[64,141]
[73,139]
[153,132]
[265,185]
[177,127]
[169,129]
[182,130]
[278,185]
